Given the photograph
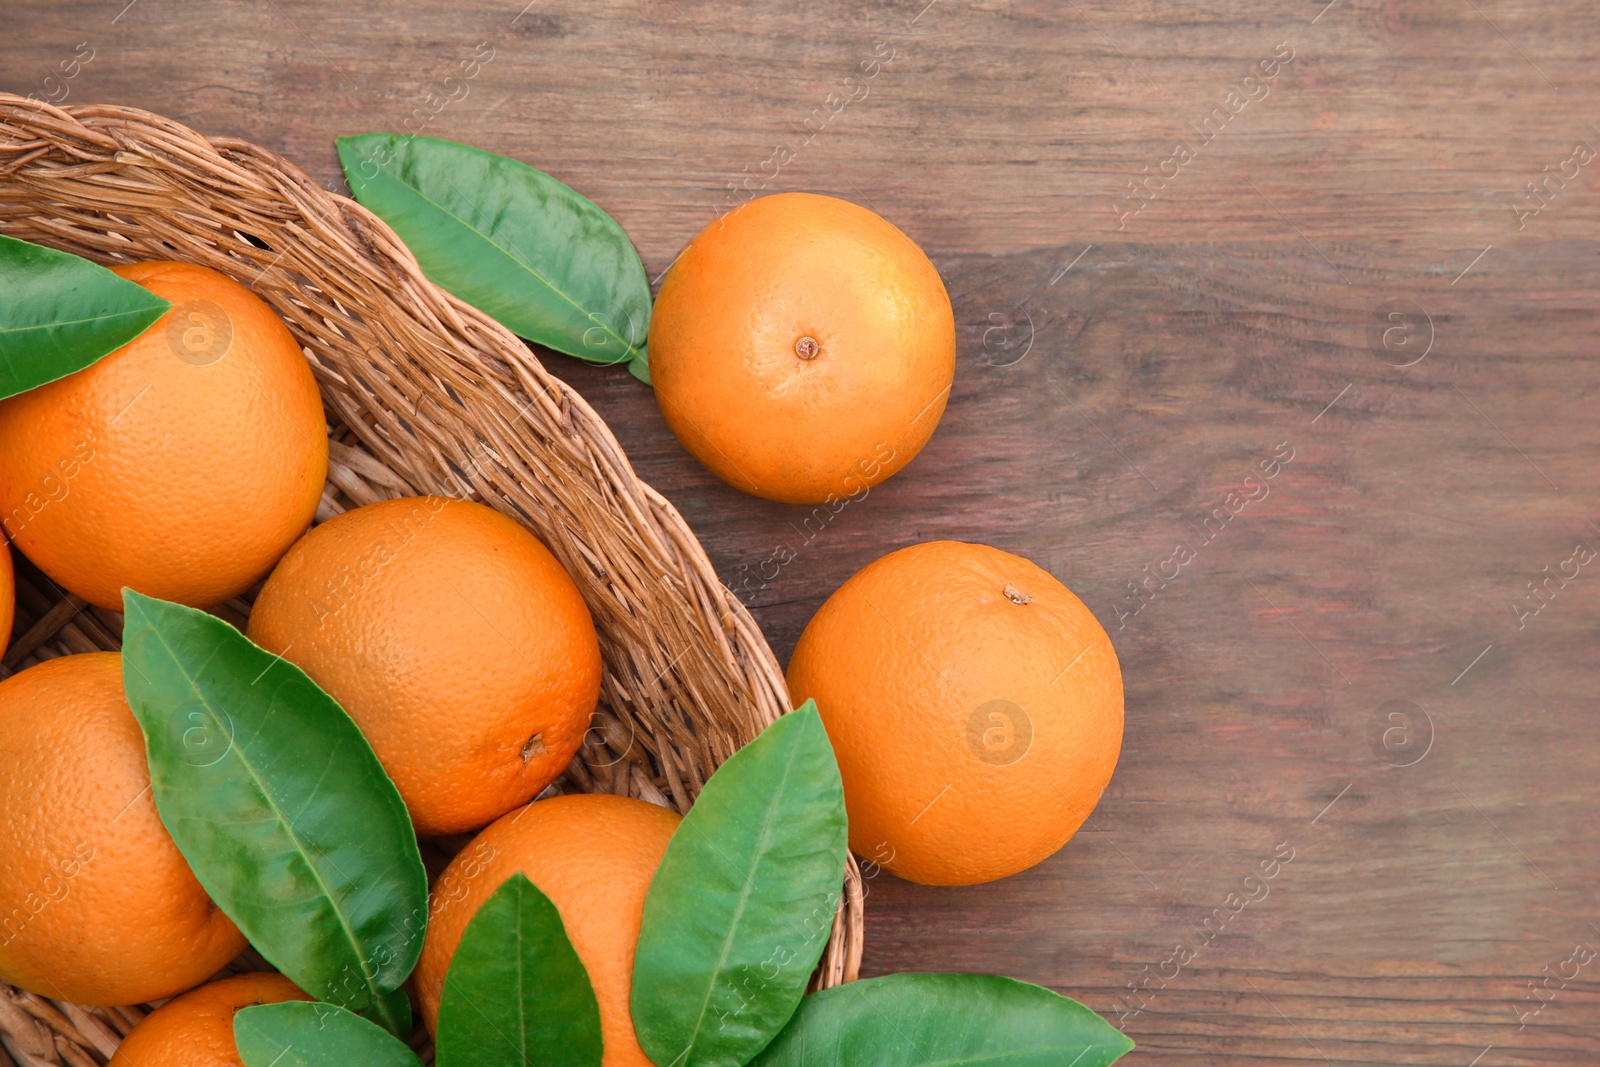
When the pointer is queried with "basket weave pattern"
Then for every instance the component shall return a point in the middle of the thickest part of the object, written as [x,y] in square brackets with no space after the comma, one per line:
[426,395]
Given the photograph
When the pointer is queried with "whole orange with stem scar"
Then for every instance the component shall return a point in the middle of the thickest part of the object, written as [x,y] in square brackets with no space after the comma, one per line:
[453,638]
[802,348]
[975,706]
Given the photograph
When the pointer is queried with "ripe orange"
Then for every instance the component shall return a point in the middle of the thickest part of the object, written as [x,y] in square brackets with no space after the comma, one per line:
[593,855]
[454,639]
[196,1030]
[8,596]
[975,706]
[183,464]
[97,905]
[802,348]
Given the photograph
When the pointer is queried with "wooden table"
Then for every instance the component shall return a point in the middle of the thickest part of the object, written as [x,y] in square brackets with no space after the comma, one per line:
[1340,261]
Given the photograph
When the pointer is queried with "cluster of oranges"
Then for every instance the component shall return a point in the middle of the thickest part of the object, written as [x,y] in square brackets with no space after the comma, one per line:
[974,703]
[803,348]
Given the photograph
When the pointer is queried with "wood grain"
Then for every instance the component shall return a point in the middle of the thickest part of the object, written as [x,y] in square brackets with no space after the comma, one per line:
[1100,414]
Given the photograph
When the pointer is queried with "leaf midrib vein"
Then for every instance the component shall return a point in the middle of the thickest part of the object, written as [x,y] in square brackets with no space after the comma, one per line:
[522,996]
[79,322]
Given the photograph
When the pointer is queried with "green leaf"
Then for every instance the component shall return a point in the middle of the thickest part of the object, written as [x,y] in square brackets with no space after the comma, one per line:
[61,313]
[298,1033]
[922,1020]
[509,240]
[516,992]
[639,367]
[278,804]
[392,1011]
[743,903]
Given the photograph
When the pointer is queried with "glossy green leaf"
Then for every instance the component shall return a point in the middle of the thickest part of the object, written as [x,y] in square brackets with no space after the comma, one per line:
[639,367]
[509,240]
[923,1020]
[516,992]
[60,313]
[298,1033]
[278,804]
[392,1011]
[742,905]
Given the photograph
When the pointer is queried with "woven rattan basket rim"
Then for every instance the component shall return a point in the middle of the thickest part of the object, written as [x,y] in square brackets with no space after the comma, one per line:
[426,395]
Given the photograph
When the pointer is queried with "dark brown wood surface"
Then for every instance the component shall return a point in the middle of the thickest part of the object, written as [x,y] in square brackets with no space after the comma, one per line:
[1351,672]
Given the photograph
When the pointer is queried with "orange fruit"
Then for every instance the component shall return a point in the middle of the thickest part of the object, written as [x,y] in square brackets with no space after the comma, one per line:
[802,348]
[196,1030]
[8,596]
[454,639]
[593,855]
[975,706]
[183,464]
[97,905]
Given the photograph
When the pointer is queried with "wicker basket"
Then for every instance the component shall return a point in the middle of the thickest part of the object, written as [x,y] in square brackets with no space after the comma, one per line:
[427,395]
